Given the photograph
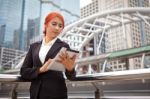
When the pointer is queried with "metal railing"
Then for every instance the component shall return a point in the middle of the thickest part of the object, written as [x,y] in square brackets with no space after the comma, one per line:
[92,78]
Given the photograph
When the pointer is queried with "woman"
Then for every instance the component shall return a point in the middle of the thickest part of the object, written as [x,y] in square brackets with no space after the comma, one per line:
[45,83]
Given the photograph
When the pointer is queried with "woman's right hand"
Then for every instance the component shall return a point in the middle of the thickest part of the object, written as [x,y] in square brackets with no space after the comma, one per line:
[44,68]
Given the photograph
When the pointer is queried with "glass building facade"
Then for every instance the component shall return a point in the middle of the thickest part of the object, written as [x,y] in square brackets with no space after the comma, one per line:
[21,20]
[69,8]
[14,16]
[10,16]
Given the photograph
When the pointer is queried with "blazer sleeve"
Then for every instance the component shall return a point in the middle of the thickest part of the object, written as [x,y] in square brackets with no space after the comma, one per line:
[28,71]
[71,75]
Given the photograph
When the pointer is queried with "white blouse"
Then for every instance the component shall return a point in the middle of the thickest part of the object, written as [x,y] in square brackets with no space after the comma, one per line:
[45,47]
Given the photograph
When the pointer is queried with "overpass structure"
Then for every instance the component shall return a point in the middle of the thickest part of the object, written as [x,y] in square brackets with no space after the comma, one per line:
[89,27]
[110,85]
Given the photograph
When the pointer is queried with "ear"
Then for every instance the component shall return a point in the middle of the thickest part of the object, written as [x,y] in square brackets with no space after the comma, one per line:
[44,30]
[45,26]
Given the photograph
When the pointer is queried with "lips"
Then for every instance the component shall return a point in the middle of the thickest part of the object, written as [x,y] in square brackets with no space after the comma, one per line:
[56,32]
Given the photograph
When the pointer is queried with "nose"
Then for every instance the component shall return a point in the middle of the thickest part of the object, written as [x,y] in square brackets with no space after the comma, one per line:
[57,27]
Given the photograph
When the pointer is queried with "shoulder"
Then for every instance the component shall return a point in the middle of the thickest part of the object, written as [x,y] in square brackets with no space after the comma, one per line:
[61,42]
[35,44]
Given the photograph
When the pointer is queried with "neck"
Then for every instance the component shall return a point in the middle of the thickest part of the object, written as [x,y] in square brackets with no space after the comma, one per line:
[48,39]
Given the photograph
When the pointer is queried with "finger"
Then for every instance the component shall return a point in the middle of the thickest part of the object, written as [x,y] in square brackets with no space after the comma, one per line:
[47,63]
[63,54]
[60,61]
[67,55]
[61,57]
[73,57]
[49,60]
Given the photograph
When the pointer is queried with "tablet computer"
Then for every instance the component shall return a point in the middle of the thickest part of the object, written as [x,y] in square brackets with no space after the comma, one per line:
[55,65]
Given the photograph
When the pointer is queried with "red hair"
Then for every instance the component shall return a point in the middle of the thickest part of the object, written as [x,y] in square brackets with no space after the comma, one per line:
[50,16]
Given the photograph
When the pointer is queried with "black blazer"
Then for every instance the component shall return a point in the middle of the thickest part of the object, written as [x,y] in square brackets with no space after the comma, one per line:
[51,83]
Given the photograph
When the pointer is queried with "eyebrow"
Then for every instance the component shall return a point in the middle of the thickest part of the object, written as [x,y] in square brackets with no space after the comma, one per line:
[57,23]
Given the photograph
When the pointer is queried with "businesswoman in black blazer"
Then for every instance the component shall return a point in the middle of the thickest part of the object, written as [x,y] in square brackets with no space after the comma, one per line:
[48,84]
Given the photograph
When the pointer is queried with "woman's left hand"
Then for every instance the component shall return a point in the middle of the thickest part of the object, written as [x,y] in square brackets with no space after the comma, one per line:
[67,61]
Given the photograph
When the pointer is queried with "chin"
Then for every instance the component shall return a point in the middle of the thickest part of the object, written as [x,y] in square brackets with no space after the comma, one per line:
[54,36]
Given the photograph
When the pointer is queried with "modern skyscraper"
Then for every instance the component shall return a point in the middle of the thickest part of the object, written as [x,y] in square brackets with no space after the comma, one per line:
[30,11]
[10,12]
[16,39]
[32,29]
[14,14]
[90,9]
[2,34]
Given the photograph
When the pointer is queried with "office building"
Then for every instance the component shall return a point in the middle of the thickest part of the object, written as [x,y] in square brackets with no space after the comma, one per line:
[16,39]
[2,34]
[9,57]
[14,15]
[10,12]
[32,29]
[90,9]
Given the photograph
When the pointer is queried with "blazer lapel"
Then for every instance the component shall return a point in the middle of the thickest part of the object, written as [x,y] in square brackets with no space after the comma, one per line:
[52,50]
[37,53]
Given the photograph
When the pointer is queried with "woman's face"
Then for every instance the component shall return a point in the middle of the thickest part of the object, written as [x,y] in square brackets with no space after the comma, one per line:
[54,27]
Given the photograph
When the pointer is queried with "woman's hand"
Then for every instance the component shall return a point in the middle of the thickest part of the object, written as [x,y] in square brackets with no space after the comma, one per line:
[67,61]
[44,68]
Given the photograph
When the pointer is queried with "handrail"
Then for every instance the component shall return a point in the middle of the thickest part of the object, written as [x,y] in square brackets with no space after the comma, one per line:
[126,53]
[142,74]
[105,76]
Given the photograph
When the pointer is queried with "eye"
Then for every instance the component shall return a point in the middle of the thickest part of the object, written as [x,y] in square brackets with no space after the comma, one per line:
[54,23]
[60,25]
